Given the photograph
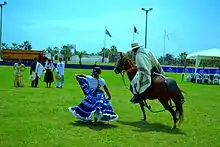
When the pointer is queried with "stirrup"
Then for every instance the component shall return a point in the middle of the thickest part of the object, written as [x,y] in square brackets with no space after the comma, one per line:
[134,100]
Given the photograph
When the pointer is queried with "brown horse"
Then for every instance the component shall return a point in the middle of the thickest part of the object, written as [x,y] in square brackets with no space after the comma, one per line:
[163,89]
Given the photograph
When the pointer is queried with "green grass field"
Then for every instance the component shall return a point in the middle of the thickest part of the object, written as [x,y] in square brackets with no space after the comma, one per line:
[39,117]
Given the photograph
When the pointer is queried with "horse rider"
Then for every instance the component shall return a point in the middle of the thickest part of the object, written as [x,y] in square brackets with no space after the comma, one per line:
[146,64]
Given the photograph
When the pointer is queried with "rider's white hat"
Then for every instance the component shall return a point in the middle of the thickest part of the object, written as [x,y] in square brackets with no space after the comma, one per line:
[135,45]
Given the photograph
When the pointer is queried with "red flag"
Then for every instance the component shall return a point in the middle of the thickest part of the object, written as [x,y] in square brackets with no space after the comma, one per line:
[135,30]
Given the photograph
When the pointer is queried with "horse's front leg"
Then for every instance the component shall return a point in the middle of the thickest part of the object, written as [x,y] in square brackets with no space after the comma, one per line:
[143,110]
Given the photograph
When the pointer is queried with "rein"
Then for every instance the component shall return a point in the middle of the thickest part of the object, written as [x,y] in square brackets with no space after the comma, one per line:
[149,108]
[122,75]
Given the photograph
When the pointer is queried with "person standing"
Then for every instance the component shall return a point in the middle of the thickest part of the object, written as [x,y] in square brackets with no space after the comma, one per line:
[18,74]
[60,73]
[36,71]
[48,78]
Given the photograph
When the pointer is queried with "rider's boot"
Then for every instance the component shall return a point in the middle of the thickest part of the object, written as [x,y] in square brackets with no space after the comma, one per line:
[139,98]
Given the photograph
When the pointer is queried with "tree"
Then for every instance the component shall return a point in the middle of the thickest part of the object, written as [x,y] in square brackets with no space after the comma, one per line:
[169,59]
[181,58]
[113,54]
[55,52]
[4,46]
[14,46]
[103,53]
[21,46]
[80,55]
[66,51]
[26,45]
[160,60]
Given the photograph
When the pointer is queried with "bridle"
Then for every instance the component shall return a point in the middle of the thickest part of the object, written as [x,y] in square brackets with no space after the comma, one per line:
[122,73]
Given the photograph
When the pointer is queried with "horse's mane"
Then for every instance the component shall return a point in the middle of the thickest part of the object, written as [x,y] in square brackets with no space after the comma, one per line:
[130,62]
[133,68]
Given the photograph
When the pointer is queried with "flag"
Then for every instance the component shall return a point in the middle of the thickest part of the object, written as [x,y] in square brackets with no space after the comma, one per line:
[167,36]
[135,30]
[107,33]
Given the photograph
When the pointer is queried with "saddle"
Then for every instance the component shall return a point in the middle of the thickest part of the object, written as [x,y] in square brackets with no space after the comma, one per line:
[170,83]
[155,73]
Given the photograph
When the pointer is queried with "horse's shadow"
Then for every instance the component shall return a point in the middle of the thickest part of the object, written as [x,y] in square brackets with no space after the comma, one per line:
[97,126]
[143,126]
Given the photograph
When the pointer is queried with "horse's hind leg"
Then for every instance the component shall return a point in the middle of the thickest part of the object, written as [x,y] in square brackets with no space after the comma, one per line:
[179,108]
[143,110]
[170,109]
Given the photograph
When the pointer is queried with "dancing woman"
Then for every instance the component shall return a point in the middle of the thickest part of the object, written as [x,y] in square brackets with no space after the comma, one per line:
[95,100]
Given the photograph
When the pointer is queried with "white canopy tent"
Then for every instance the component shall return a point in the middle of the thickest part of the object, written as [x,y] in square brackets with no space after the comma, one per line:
[209,54]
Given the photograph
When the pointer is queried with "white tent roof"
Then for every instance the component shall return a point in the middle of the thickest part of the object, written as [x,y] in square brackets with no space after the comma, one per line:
[209,54]
[213,53]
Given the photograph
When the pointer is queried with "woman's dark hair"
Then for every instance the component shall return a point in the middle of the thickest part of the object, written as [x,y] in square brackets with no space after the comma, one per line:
[96,70]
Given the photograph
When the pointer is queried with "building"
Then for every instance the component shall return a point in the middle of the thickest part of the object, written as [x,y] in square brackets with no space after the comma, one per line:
[89,59]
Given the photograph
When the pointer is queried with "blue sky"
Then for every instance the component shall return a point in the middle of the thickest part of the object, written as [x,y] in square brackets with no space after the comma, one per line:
[192,25]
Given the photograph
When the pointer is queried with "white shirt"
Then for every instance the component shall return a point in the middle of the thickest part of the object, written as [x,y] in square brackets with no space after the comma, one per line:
[93,82]
[60,68]
[49,65]
[39,69]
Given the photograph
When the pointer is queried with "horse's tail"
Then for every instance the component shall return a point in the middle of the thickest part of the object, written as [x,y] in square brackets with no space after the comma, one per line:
[177,98]
[179,105]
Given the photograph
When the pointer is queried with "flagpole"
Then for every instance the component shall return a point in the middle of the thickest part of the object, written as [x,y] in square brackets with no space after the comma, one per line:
[104,39]
[133,36]
[164,45]
[103,54]
[134,32]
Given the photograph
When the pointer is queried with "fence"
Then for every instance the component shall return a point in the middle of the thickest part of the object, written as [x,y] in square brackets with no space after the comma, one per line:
[174,69]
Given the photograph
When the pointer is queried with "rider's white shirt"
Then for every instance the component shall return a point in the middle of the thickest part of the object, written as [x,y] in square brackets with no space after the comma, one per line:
[93,82]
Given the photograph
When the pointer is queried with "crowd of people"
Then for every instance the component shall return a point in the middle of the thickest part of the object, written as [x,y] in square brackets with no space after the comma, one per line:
[36,72]
[95,100]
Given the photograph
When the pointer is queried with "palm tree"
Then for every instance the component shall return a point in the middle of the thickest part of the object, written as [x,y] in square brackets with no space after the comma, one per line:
[27,45]
[80,55]
[104,53]
[169,59]
[4,46]
[113,54]
[55,53]
[14,46]
[66,51]
[182,57]
[21,46]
